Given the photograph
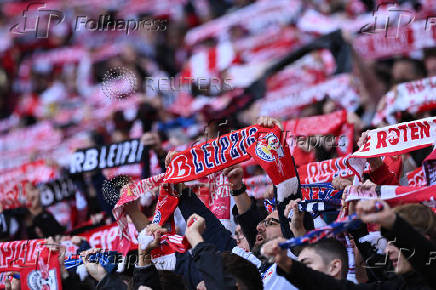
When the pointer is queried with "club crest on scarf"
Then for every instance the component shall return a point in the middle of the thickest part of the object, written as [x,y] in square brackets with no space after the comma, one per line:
[36,280]
[268,148]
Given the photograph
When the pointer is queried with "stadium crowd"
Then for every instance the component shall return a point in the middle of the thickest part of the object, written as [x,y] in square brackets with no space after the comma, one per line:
[238,144]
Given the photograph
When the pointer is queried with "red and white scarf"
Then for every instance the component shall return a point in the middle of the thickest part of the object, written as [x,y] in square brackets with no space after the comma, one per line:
[213,155]
[15,197]
[393,194]
[339,88]
[416,177]
[38,266]
[394,140]
[263,144]
[414,36]
[130,193]
[266,13]
[104,237]
[413,97]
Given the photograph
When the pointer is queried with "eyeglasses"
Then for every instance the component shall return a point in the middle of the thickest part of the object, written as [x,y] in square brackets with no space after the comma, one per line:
[270,222]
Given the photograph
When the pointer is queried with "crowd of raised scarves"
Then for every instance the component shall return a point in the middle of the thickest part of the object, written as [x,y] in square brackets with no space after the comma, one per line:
[319,72]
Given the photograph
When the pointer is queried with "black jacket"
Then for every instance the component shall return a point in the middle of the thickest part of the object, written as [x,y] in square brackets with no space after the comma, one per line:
[305,278]
[111,282]
[147,276]
[209,263]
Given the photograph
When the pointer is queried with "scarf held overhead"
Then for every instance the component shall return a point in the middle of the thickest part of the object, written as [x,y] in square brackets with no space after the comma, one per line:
[394,140]
[392,194]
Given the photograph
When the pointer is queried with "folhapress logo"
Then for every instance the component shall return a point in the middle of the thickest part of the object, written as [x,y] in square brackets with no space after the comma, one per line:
[38,19]
[388,19]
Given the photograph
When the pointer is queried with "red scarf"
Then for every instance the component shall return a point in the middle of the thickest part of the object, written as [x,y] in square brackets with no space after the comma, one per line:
[333,124]
[413,97]
[213,155]
[339,88]
[15,197]
[410,38]
[416,177]
[263,144]
[130,193]
[38,266]
[393,194]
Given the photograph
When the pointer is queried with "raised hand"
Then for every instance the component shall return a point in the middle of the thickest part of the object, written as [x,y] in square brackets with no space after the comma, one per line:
[368,212]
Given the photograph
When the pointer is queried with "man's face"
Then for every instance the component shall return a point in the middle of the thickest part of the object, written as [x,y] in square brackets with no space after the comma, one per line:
[268,229]
[403,71]
[430,65]
[400,263]
[313,260]
[33,195]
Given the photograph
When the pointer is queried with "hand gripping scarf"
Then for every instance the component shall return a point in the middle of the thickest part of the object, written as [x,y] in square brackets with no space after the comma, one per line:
[263,144]
[339,226]
[394,140]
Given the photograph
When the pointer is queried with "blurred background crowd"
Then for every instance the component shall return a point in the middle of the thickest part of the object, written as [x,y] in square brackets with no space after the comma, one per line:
[196,70]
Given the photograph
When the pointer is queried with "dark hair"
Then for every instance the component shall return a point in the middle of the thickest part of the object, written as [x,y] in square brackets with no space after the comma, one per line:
[429,52]
[418,65]
[243,271]
[420,217]
[330,249]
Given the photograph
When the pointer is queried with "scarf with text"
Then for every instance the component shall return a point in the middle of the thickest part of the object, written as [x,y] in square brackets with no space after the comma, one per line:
[393,140]
[324,191]
[50,193]
[38,266]
[277,13]
[263,144]
[213,155]
[276,160]
[326,171]
[16,196]
[413,97]
[106,156]
[392,194]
